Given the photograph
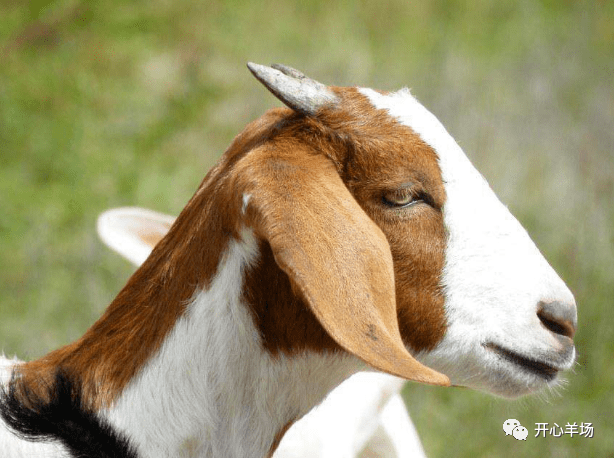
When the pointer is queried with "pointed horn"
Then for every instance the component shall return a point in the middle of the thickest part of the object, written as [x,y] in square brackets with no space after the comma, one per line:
[293,88]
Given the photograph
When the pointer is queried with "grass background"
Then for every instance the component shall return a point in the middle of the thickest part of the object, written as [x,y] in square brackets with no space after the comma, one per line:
[121,102]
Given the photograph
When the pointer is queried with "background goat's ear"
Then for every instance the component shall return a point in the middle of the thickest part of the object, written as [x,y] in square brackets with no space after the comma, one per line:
[335,254]
[132,231]
[297,91]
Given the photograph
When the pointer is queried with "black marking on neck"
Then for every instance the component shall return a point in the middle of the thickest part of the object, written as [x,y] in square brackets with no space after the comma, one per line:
[61,418]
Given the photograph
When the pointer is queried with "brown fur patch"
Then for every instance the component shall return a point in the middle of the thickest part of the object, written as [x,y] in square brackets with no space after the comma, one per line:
[284,320]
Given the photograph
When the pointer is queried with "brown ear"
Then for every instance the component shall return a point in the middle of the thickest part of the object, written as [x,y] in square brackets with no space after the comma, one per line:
[335,255]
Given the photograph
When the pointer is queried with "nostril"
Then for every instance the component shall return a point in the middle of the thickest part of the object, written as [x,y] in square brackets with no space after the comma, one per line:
[558,317]
[555,327]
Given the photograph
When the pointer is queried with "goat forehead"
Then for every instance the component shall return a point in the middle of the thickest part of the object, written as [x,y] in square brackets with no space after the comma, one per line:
[385,152]
[404,108]
[472,207]
[461,178]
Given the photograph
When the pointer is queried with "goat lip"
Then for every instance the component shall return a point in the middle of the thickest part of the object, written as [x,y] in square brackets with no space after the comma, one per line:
[544,370]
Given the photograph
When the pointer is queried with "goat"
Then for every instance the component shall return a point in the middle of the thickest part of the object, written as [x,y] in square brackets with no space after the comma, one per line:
[364,415]
[347,232]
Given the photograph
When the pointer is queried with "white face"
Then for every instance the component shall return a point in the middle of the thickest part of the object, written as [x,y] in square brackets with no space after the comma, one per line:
[495,279]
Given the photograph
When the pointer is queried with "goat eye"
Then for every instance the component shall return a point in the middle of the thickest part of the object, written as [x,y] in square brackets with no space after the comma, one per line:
[401,199]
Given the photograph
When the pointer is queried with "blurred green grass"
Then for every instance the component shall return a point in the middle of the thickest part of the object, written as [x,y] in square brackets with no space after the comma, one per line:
[115,103]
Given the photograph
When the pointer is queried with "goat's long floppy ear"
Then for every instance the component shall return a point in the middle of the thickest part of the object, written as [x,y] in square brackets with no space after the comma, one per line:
[335,255]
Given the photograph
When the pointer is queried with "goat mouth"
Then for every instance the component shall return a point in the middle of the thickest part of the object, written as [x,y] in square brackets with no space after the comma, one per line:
[539,368]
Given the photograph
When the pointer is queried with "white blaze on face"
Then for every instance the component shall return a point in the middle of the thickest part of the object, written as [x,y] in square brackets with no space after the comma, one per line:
[494,276]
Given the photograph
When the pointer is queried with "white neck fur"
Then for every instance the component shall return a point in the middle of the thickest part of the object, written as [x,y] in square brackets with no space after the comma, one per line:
[212,390]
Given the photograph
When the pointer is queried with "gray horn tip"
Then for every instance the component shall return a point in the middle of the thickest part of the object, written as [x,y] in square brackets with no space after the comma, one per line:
[253,67]
[293,88]
[286,70]
[257,69]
